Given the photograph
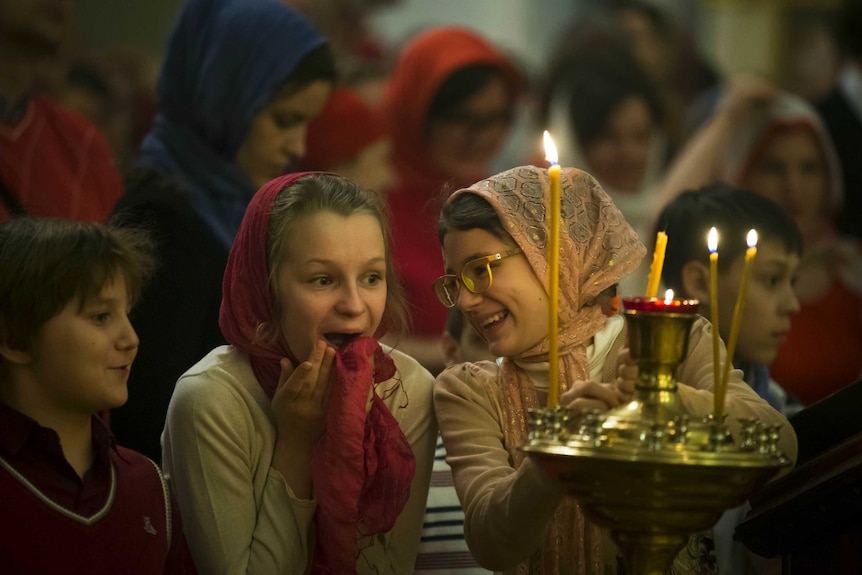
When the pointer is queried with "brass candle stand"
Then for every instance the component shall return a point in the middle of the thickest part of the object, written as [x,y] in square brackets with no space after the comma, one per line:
[648,471]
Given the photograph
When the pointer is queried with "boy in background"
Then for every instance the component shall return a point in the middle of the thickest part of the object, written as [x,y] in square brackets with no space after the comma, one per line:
[770,300]
[74,501]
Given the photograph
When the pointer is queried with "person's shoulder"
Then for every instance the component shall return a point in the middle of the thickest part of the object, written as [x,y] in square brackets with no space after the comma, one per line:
[222,384]
[135,468]
[224,363]
[406,364]
[465,375]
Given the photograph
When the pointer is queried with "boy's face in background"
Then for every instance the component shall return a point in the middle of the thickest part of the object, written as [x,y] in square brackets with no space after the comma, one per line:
[771,301]
[81,358]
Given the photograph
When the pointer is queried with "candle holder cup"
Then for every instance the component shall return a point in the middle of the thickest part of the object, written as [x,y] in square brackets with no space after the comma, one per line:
[648,471]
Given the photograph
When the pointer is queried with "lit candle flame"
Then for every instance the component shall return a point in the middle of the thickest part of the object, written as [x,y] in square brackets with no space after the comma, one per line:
[751,238]
[668,296]
[712,240]
[550,149]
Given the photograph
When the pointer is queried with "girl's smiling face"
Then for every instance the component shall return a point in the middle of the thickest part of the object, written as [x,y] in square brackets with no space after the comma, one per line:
[331,282]
[512,314]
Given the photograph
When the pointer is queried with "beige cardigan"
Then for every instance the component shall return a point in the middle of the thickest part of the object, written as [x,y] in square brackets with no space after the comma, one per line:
[239,514]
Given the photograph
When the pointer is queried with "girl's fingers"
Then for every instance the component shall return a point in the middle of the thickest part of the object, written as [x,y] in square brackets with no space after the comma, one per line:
[605,393]
[321,388]
[286,371]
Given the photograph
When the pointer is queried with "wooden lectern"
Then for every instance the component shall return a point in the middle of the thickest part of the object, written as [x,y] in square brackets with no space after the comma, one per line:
[812,517]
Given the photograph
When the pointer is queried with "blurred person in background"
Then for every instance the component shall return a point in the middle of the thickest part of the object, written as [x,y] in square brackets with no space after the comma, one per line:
[679,71]
[53,162]
[450,102]
[841,111]
[774,144]
[350,138]
[240,82]
[607,119]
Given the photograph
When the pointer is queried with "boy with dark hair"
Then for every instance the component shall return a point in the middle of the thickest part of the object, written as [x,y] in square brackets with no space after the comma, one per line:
[770,300]
[74,501]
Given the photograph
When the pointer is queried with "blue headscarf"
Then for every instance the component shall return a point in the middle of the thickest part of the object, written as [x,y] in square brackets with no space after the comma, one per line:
[225,61]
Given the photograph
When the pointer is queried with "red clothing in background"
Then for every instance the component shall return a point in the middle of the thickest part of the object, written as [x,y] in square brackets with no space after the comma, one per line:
[415,202]
[120,518]
[58,164]
[823,350]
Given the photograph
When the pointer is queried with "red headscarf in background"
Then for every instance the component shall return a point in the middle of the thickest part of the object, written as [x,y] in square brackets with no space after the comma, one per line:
[423,67]
[346,126]
[363,465]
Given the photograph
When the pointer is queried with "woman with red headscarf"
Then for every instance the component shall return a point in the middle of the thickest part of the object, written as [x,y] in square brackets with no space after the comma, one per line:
[305,446]
[450,102]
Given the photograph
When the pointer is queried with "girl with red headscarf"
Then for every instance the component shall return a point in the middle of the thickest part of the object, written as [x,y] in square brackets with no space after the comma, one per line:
[304,445]
[450,101]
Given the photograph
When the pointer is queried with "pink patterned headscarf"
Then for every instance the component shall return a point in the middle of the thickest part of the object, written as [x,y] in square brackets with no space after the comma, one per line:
[363,465]
[597,249]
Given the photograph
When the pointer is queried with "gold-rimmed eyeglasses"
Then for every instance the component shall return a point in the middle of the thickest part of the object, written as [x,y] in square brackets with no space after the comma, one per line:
[475,275]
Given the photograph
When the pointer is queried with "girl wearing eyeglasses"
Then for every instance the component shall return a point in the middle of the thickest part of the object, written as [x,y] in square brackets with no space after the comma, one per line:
[494,236]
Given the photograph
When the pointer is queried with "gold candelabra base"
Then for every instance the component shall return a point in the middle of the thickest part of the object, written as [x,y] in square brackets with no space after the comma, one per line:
[648,471]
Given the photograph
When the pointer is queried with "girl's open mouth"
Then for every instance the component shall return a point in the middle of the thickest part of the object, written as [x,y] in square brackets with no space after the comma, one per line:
[339,340]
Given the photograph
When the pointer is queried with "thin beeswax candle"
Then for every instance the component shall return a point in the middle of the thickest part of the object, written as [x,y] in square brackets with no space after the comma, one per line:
[717,390]
[554,274]
[657,264]
[740,304]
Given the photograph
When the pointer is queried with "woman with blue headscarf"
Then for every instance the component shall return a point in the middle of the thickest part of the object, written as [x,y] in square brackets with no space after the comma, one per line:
[240,81]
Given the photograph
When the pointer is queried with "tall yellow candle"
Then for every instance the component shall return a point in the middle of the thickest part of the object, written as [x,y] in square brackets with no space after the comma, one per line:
[740,304]
[657,264]
[553,274]
[717,390]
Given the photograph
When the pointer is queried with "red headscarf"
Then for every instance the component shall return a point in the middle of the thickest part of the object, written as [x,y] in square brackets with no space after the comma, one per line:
[423,67]
[346,126]
[363,465]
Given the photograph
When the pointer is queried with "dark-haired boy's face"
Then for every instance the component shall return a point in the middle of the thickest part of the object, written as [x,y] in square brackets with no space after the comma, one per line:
[770,302]
[81,358]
